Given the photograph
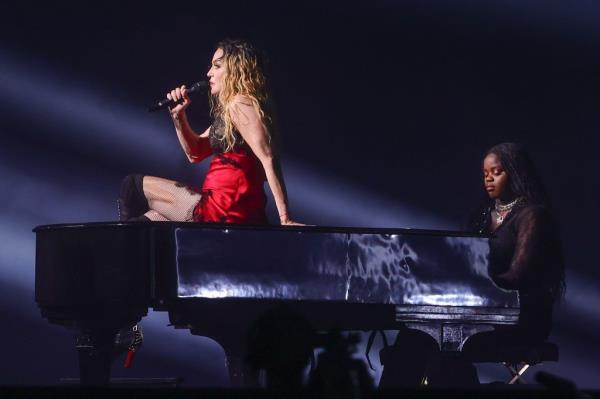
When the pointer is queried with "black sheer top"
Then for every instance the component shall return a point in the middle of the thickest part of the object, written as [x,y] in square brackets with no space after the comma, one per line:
[525,255]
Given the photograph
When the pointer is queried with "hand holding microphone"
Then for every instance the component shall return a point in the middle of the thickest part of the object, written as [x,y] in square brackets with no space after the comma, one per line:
[178,99]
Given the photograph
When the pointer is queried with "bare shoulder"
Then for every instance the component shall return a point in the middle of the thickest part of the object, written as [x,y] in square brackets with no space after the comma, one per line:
[243,111]
[242,100]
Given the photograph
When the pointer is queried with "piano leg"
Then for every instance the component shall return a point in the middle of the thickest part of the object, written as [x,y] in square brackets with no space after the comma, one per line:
[269,347]
[238,374]
[233,344]
[95,347]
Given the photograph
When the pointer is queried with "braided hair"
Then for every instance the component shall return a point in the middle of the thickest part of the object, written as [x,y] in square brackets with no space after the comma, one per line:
[523,178]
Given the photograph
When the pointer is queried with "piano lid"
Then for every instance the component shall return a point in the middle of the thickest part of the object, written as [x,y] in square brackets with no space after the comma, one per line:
[401,268]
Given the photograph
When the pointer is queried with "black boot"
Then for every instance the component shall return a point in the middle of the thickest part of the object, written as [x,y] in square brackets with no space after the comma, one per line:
[132,202]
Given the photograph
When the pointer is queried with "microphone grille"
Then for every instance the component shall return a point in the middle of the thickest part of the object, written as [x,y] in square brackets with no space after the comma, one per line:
[198,86]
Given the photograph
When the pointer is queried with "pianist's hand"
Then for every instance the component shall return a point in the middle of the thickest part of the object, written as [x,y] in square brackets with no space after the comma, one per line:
[181,97]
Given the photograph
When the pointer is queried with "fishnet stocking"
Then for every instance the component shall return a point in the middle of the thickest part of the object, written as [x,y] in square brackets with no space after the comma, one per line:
[169,200]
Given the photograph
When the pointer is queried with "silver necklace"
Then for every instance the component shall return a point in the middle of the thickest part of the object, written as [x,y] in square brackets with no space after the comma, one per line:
[504,208]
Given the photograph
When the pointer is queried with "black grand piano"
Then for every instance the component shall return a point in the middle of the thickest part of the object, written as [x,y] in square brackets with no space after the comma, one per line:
[216,280]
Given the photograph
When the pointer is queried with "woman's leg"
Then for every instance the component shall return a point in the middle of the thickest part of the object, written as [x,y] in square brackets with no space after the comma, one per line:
[145,198]
[132,201]
[169,200]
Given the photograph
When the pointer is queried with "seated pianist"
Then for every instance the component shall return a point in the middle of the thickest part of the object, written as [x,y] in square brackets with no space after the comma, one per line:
[525,255]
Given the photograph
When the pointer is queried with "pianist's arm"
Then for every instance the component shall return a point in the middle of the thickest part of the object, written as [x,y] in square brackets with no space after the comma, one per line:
[195,146]
[533,237]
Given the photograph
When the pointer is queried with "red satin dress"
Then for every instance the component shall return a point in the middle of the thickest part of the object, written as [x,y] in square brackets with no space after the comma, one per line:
[233,189]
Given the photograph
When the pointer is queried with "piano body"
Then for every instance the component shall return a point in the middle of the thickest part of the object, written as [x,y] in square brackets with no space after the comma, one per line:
[216,280]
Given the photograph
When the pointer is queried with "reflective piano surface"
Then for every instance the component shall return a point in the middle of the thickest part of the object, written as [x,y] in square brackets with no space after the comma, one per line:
[215,279]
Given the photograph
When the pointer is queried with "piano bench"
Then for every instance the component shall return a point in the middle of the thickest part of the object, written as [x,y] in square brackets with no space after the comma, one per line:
[517,358]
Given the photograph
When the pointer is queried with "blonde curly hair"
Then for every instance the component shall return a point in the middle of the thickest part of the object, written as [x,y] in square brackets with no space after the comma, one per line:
[243,76]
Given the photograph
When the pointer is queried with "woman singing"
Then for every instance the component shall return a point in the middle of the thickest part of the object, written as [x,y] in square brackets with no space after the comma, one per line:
[240,140]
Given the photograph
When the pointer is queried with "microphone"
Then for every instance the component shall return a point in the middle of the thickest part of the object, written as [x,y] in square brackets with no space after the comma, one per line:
[195,88]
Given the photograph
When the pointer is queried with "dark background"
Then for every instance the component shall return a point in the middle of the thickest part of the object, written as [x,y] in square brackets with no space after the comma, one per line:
[385,110]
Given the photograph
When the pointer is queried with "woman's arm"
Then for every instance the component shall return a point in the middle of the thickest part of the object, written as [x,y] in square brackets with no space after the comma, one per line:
[533,233]
[195,146]
[254,132]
